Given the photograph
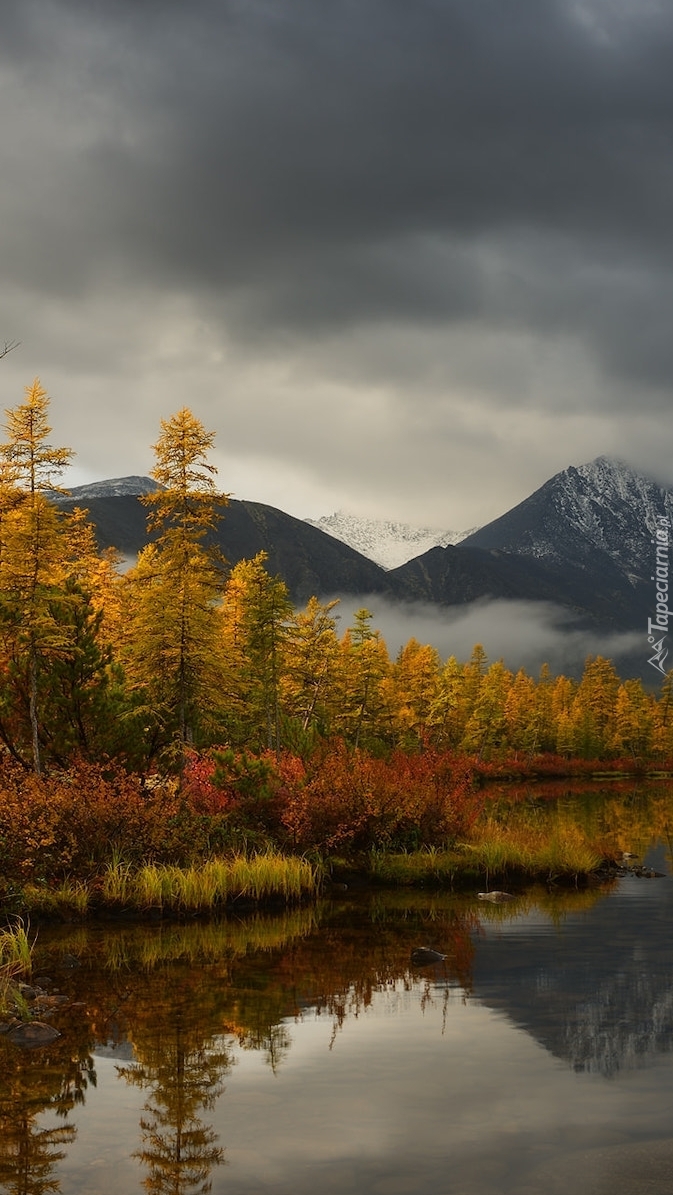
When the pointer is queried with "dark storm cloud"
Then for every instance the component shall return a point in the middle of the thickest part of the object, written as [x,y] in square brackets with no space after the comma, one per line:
[319,165]
[443,223]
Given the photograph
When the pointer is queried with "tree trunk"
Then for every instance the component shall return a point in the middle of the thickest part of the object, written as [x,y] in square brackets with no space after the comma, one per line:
[33,710]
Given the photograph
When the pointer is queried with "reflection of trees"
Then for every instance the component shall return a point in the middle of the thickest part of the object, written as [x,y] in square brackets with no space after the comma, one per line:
[621,816]
[49,1080]
[182,1070]
[249,977]
[28,1154]
[337,972]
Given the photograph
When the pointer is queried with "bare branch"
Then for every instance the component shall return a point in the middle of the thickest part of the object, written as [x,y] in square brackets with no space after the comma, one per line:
[9,345]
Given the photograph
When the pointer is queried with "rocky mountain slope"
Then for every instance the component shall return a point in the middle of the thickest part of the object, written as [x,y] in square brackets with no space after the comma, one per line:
[309,561]
[113,487]
[602,511]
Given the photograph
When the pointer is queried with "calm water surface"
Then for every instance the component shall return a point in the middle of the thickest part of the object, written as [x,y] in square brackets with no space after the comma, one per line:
[305,1054]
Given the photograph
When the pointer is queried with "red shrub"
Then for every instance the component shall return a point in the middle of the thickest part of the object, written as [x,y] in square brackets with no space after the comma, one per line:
[349,799]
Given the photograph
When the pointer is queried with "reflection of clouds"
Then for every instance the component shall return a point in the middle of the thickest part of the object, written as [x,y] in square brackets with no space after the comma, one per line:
[107,1128]
[408,1099]
[424,1089]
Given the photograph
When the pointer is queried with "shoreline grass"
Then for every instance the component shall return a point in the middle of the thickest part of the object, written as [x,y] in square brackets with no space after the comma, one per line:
[499,855]
[16,960]
[514,842]
[166,888]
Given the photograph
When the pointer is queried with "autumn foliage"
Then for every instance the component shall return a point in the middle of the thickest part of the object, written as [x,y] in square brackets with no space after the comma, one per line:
[185,708]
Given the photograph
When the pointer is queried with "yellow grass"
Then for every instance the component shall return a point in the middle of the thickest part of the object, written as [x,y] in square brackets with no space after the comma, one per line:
[15,962]
[212,884]
[70,899]
[215,941]
[527,852]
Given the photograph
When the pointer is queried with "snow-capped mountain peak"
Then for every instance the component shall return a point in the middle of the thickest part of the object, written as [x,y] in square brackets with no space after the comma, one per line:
[389,544]
[114,487]
[603,507]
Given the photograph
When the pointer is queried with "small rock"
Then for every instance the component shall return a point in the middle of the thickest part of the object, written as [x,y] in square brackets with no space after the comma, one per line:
[421,956]
[32,1035]
[44,1002]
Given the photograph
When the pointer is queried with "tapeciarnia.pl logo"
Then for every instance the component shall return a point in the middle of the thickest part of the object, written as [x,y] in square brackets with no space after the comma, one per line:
[657,627]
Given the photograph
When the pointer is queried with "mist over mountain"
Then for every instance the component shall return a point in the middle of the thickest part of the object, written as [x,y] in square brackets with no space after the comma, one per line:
[523,634]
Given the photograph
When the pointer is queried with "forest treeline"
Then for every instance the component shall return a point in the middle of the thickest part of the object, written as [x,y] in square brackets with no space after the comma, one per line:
[182,653]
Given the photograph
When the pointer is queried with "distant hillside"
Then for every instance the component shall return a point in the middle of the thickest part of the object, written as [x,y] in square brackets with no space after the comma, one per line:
[309,561]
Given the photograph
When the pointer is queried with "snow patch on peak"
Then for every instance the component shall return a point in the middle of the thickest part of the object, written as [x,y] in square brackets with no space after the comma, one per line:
[611,475]
[607,506]
[114,487]
[389,544]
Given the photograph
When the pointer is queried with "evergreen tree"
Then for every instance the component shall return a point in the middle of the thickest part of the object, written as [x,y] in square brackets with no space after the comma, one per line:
[486,729]
[412,688]
[365,664]
[450,709]
[311,665]
[592,715]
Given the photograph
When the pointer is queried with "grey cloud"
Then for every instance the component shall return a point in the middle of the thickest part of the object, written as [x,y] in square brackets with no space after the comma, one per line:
[440,203]
[297,123]
[327,165]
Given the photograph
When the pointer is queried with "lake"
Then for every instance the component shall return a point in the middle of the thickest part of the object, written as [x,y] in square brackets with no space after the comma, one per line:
[304,1052]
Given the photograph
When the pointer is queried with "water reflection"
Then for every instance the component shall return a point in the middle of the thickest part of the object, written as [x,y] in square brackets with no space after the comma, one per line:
[598,992]
[38,1091]
[587,976]
[182,1073]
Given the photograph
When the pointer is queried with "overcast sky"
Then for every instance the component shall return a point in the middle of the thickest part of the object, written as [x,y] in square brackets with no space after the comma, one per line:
[405,257]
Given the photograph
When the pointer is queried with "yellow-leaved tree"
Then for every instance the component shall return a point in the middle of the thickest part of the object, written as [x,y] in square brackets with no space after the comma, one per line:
[32,567]
[255,614]
[172,652]
[312,658]
[365,715]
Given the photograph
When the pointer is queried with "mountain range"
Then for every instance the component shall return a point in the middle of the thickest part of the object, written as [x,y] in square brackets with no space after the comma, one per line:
[582,541]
